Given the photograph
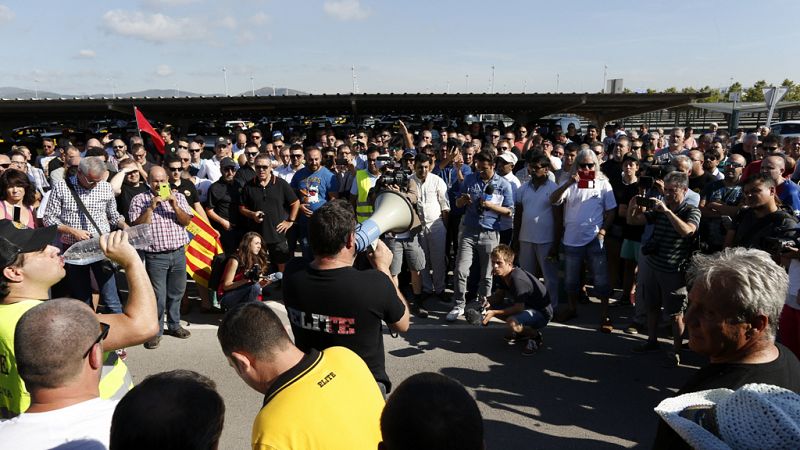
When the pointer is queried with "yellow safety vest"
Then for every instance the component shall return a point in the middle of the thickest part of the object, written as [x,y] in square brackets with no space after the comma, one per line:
[363,207]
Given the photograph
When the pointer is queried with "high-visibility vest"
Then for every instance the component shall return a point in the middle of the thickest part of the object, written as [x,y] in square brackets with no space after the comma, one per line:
[363,207]
[115,379]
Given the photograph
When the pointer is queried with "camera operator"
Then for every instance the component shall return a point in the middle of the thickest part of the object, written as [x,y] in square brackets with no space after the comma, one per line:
[405,245]
[760,219]
[665,257]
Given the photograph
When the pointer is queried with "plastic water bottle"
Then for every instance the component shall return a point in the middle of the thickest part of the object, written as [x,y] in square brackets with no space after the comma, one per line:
[87,252]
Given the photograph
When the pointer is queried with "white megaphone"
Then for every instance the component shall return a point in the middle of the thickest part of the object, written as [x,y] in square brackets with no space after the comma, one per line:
[392,212]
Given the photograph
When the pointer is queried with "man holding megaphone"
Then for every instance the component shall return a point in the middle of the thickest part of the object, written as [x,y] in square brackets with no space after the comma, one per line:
[330,303]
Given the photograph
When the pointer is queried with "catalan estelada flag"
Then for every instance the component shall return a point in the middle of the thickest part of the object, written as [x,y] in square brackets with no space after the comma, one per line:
[203,246]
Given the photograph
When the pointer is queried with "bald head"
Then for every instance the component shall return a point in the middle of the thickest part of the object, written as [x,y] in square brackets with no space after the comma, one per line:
[5,161]
[157,171]
[50,341]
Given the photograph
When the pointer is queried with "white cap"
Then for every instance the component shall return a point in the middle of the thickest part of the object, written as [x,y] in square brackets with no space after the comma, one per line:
[509,157]
[755,416]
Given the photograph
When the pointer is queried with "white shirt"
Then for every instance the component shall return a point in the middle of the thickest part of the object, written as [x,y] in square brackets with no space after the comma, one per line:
[202,185]
[286,172]
[507,222]
[432,200]
[583,211]
[537,212]
[209,168]
[86,424]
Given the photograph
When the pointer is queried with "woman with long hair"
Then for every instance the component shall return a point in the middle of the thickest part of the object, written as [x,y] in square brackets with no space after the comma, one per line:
[245,273]
[18,196]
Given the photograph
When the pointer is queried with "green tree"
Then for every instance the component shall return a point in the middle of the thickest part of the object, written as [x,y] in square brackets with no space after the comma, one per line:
[755,93]
[735,87]
[651,91]
[671,90]
[794,91]
[714,95]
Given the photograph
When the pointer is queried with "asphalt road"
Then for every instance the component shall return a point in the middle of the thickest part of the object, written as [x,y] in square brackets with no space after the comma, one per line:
[583,390]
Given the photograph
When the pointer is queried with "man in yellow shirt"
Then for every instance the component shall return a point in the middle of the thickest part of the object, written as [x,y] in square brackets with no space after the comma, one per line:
[29,267]
[318,400]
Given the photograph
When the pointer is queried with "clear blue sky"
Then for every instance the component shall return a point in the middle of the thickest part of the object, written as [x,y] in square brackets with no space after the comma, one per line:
[86,46]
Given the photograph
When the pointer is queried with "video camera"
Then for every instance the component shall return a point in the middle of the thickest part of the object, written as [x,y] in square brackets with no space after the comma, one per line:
[658,171]
[393,174]
[253,274]
[785,238]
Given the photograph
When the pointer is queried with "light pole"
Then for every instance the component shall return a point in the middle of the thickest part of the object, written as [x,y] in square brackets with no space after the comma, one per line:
[605,77]
[491,86]
[252,86]
[225,75]
[467,77]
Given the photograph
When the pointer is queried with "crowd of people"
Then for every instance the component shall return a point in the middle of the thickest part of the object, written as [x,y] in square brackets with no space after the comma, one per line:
[522,224]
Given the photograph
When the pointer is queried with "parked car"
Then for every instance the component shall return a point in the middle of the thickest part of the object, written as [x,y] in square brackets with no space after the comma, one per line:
[788,128]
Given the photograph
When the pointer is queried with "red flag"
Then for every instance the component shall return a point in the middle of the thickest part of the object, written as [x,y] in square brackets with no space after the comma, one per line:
[144,126]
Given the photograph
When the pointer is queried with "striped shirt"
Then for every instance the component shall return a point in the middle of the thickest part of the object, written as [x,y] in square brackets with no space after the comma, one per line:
[63,210]
[168,234]
[674,251]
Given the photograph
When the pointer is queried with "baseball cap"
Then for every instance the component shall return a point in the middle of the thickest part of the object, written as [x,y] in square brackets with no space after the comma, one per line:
[277,135]
[508,157]
[226,162]
[755,416]
[221,142]
[14,241]
[409,154]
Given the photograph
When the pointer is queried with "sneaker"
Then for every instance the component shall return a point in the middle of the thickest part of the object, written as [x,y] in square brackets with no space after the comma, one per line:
[153,343]
[530,347]
[180,333]
[539,339]
[452,316]
[511,339]
[647,347]
[474,317]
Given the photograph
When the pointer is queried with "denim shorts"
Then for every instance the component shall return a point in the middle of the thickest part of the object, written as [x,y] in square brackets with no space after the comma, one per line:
[532,318]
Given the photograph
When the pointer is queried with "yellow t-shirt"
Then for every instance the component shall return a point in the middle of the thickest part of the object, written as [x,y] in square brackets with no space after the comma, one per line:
[14,398]
[329,400]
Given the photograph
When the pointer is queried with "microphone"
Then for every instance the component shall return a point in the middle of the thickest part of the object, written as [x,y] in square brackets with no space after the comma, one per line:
[487,196]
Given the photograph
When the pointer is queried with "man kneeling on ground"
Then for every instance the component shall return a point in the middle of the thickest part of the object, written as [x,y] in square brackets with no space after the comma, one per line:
[521,300]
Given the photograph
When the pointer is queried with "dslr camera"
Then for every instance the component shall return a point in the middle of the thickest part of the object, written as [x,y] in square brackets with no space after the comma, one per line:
[253,274]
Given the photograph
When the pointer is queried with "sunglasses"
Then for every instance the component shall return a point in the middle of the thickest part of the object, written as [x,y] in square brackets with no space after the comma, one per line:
[295,156]
[636,148]
[735,165]
[195,150]
[502,148]
[183,147]
[175,169]
[586,165]
[229,169]
[5,166]
[139,155]
[262,167]
[104,327]
[255,136]
[185,159]
[251,154]
[119,146]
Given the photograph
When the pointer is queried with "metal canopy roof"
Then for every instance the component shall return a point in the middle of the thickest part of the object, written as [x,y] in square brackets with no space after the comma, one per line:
[598,108]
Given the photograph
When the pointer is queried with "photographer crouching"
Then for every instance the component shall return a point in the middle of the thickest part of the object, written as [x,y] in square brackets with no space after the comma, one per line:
[665,257]
[405,246]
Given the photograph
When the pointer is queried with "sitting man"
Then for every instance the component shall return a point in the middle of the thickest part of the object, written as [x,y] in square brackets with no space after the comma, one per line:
[29,267]
[59,355]
[314,385]
[521,300]
[734,304]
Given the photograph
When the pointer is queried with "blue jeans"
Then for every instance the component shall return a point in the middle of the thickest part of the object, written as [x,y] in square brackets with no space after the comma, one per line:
[302,241]
[242,294]
[167,272]
[534,256]
[595,254]
[80,286]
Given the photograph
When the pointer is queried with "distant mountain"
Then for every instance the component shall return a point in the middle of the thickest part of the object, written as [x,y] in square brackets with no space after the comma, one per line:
[264,91]
[14,92]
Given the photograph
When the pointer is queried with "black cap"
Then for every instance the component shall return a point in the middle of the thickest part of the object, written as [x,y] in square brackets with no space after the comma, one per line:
[14,241]
[226,162]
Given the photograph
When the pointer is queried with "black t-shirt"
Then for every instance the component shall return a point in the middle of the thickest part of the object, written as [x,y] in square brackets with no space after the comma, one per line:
[126,195]
[783,372]
[751,230]
[623,196]
[223,198]
[698,184]
[344,307]
[613,170]
[244,175]
[527,289]
[188,190]
[738,149]
[273,200]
